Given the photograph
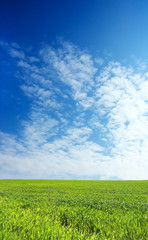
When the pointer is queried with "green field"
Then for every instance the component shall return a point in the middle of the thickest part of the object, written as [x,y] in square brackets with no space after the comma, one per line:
[68,209]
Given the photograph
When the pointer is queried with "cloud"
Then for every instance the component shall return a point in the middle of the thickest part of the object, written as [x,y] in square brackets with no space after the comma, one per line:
[75,69]
[99,61]
[87,118]
[122,99]
[16,53]
[13,49]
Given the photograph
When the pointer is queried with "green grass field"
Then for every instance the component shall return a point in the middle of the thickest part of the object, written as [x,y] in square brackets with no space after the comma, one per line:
[64,209]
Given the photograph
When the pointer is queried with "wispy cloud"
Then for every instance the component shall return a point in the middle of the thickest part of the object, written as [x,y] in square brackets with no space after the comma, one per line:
[16,53]
[75,69]
[87,118]
[13,49]
[122,98]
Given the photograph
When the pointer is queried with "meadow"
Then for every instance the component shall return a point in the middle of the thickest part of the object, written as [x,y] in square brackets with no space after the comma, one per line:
[73,209]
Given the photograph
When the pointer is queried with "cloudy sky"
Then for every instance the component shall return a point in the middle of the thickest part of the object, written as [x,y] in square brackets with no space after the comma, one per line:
[74,89]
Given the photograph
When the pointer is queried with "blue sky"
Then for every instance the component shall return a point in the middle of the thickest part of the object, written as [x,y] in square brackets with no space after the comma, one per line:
[73,89]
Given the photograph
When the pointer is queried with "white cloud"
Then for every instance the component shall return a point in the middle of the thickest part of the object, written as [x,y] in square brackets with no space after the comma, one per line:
[33,59]
[74,68]
[13,49]
[83,121]
[99,61]
[16,53]
[41,96]
[126,108]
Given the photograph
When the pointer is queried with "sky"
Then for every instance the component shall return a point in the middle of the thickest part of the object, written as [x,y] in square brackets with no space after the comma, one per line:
[74,89]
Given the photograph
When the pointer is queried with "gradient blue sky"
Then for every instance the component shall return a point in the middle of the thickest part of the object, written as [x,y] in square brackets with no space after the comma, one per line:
[74,89]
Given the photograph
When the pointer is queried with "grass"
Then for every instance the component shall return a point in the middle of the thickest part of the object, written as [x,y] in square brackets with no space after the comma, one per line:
[68,209]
